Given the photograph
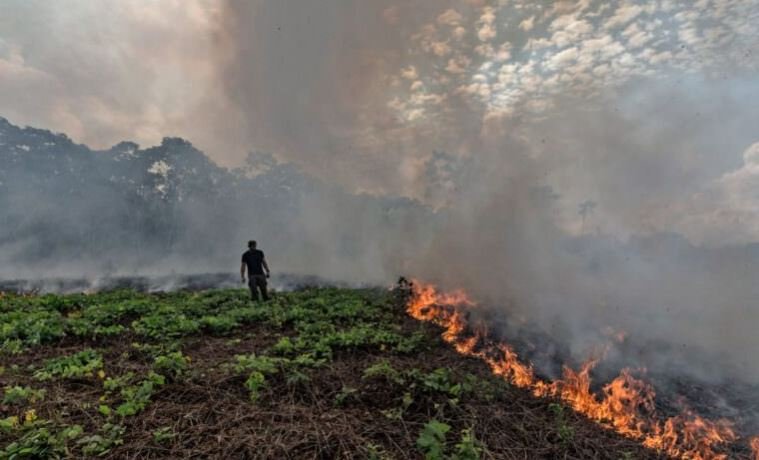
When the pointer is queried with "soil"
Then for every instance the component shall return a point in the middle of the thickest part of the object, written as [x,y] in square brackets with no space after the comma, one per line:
[210,415]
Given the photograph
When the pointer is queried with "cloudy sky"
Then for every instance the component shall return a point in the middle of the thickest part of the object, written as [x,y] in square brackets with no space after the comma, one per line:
[107,71]
[647,108]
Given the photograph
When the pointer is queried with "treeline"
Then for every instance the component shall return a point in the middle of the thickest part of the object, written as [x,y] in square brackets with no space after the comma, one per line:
[68,209]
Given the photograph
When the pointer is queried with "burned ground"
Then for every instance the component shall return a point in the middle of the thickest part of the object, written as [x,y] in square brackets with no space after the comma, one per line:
[316,373]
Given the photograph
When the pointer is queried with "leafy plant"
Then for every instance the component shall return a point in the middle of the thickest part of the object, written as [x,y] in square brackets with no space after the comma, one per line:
[20,395]
[108,437]
[255,381]
[41,440]
[285,346]
[9,424]
[166,321]
[345,394]
[468,448]
[566,432]
[440,380]
[32,326]
[296,377]
[167,345]
[384,370]
[417,341]
[431,440]
[115,383]
[306,360]
[174,363]
[262,364]
[12,346]
[257,367]
[219,324]
[137,397]
[81,364]
[163,434]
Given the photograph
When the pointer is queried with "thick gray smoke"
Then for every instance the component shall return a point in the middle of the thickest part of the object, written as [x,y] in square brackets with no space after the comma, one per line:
[592,164]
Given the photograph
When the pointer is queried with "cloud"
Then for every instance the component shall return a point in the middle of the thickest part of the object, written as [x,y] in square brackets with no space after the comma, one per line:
[458,64]
[527,24]
[130,70]
[625,13]
[440,48]
[562,58]
[409,73]
[487,28]
[636,37]
[450,17]
[741,187]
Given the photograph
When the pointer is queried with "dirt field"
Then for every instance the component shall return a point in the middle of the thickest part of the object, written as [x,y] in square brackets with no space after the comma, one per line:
[316,373]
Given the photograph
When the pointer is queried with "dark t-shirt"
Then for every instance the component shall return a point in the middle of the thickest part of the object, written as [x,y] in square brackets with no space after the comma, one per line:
[253,258]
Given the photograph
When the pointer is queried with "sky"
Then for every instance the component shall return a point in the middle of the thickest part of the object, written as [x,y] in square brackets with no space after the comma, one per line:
[647,110]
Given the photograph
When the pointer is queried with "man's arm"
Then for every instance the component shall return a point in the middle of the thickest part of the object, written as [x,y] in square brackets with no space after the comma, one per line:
[242,271]
[266,266]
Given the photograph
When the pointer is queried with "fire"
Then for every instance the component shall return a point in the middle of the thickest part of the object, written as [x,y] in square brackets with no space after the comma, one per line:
[754,443]
[626,404]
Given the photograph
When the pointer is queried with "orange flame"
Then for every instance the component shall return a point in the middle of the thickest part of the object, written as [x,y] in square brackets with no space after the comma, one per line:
[754,443]
[626,403]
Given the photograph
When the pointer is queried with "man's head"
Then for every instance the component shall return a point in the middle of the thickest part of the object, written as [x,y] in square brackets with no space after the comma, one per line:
[252,244]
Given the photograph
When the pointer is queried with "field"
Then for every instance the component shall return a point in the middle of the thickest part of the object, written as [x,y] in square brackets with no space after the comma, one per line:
[314,373]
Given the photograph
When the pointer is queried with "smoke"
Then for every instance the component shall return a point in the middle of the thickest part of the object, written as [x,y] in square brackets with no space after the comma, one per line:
[578,164]
[68,211]
[591,164]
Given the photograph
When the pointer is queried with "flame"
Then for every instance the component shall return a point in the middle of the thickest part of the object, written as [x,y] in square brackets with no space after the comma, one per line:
[754,443]
[626,404]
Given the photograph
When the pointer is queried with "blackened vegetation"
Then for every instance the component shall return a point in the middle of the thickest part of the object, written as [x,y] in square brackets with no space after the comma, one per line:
[316,373]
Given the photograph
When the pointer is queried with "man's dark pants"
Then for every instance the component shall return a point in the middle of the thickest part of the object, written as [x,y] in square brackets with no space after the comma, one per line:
[255,283]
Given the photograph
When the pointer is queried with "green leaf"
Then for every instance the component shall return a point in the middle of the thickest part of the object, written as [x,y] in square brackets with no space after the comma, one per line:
[431,440]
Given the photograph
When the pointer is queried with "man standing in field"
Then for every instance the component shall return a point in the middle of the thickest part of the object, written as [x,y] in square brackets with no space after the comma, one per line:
[258,271]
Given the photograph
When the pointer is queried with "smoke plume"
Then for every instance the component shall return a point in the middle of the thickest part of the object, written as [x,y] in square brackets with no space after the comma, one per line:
[591,164]
[577,165]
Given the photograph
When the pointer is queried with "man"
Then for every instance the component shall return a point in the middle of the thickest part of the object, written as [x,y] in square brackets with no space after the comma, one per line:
[258,271]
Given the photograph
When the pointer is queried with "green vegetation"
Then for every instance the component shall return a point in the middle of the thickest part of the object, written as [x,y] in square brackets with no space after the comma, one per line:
[432,441]
[82,364]
[565,431]
[332,372]
[20,395]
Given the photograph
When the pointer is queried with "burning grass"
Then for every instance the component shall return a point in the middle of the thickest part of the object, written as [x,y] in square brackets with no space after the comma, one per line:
[317,373]
[626,404]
